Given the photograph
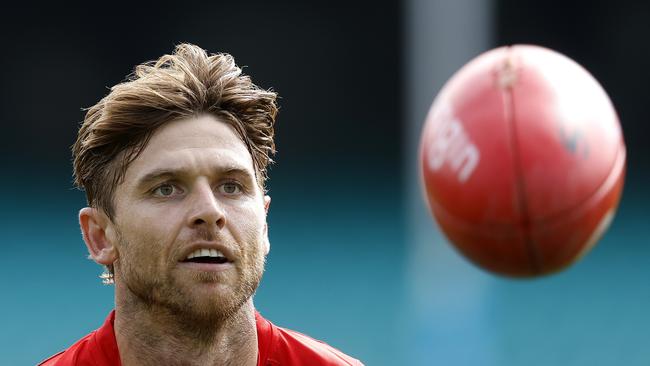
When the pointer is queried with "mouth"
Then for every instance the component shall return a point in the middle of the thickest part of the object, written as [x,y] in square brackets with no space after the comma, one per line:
[208,256]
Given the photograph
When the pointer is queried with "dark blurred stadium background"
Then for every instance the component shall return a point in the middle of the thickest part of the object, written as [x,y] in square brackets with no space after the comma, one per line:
[356,260]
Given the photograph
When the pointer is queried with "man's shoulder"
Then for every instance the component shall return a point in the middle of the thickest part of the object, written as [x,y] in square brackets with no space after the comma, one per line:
[98,348]
[289,347]
[52,360]
[312,350]
[68,356]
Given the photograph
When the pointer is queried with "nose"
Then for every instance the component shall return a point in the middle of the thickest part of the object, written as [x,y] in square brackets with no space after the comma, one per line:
[205,208]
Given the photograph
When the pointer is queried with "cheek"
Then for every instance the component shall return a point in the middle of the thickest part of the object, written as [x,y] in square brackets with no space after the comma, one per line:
[147,235]
[247,223]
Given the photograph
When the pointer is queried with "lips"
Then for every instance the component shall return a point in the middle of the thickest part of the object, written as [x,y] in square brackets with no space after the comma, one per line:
[205,255]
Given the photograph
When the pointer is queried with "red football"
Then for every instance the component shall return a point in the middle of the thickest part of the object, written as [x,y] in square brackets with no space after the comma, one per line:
[523,160]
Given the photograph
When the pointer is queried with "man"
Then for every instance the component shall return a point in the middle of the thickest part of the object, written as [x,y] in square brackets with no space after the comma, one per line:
[173,162]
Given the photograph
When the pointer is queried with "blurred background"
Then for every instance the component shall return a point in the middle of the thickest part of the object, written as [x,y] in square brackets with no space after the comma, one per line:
[356,259]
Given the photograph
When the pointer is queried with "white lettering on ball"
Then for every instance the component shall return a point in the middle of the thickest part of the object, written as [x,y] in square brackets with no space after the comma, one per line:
[451,145]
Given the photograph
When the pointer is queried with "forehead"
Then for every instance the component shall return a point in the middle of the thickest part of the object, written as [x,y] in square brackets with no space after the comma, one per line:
[194,144]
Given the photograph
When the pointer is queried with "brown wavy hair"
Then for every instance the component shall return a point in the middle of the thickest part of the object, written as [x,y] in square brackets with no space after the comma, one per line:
[185,84]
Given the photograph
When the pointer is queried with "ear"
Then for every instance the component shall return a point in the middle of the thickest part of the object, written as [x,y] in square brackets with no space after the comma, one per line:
[94,227]
[267,244]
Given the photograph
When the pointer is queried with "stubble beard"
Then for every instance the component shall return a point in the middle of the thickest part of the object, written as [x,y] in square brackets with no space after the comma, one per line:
[171,300]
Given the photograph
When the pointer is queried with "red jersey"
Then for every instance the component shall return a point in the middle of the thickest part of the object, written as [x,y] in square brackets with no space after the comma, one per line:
[276,346]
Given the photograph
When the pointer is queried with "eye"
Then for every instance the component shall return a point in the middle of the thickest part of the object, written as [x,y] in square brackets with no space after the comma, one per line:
[230,188]
[166,190]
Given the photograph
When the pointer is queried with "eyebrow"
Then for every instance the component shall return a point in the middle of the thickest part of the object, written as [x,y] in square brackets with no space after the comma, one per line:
[166,173]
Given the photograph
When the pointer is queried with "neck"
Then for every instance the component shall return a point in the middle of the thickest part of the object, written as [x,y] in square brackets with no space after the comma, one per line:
[152,335]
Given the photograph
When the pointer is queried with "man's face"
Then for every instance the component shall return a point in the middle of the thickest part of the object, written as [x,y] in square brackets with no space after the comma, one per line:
[191,192]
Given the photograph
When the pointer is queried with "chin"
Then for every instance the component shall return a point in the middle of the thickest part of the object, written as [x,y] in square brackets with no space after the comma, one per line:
[209,300]
[210,309]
